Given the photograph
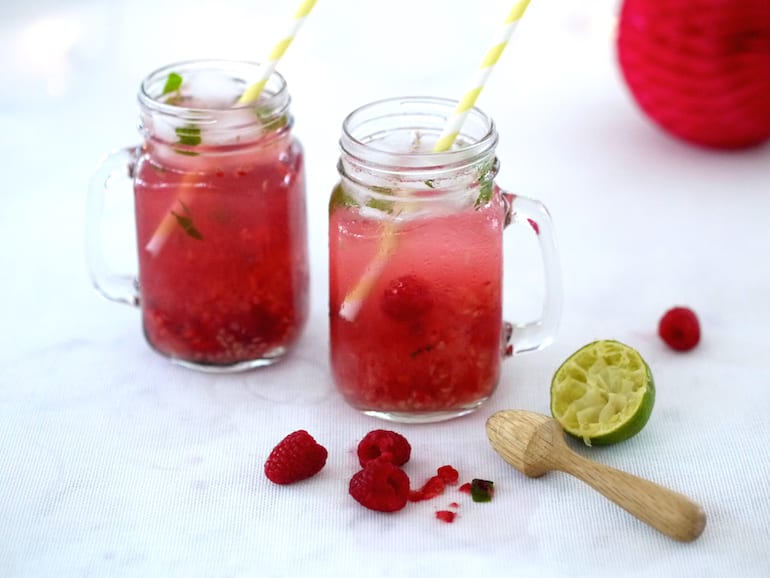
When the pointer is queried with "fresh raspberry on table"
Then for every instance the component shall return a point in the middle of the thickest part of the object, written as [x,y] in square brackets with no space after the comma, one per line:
[680,328]
[406,298]
[380,486]
[297,457]
[381,444]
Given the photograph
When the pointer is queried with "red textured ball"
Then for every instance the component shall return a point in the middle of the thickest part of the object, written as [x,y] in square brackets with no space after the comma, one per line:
[407,298]
[380,486]
[296,457]
[700,68]
[382,444]
[680,328]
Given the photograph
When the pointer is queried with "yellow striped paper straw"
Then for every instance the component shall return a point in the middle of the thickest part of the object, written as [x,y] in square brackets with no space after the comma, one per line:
[158,239]
[353,301]
[467,102]
[252,92]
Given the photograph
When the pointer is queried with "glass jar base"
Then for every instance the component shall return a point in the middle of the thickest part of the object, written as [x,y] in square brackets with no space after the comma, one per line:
[238,367]
[417,417]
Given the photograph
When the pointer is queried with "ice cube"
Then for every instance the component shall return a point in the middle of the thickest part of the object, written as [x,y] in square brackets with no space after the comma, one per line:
[232,126]
[212,89]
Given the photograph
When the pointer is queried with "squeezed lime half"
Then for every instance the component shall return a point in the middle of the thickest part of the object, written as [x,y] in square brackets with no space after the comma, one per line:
[603,393]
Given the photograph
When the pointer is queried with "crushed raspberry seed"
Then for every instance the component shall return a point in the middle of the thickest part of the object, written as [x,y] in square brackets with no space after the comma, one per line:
[384,445]
[296,457]
[465,488]
[380,486]
[446,516]
[433,487]
[406,298]
[679,328]
[448,474]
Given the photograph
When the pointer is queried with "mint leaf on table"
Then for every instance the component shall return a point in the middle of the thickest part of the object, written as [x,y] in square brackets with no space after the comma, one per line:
[482,490]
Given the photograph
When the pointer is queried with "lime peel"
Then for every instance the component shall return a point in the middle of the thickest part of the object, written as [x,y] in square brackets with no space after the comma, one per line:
[603,393]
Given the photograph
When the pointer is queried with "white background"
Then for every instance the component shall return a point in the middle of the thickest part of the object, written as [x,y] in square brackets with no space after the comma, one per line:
[115,463]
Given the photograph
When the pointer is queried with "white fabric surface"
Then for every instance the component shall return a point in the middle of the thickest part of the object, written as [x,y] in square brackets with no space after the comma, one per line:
[115,463]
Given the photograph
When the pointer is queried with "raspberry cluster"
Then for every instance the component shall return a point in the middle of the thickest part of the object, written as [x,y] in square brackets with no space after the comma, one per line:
[381,484]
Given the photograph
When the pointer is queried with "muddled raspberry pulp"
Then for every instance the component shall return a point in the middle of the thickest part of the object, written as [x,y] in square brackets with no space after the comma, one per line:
[229,282]
[428,338]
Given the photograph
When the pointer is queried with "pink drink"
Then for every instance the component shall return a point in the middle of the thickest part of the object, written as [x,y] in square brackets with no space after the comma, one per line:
[428,336]
[219,197]
[416,263]
[219,192]
[229,283]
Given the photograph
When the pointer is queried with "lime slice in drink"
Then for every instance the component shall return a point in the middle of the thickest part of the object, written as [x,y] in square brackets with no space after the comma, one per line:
[603,393]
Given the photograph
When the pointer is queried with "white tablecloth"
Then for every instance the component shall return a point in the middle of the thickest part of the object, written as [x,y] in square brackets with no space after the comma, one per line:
[115,463]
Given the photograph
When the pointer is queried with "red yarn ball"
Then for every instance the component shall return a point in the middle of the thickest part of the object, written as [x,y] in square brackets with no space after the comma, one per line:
[700,68]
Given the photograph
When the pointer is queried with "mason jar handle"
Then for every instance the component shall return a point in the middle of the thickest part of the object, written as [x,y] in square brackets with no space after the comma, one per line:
[539,333]
[113,173]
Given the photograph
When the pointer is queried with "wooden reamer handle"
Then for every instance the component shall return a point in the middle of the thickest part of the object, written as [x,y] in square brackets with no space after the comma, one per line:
[665,510]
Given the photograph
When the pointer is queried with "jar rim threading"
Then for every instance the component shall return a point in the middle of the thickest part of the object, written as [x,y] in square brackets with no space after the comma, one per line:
[243,71]
[366,130]
[224,120]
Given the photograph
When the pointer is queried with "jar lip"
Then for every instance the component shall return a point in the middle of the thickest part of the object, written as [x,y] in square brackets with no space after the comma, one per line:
[478,136]
[274,96]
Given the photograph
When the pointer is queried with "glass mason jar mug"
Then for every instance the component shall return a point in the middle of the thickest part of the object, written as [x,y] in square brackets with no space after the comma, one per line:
[416,264]
[219,207]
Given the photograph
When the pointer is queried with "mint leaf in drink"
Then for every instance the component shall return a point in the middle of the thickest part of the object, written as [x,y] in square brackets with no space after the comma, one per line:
[173,82]
[185,221]
[340,199]
[269,122]
[486,178]
[189,135]
[380,205]
[430,183]
[384,205]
